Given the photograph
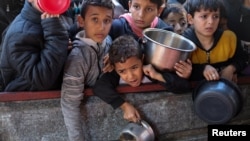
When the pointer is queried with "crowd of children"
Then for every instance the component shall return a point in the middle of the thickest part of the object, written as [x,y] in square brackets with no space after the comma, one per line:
[104,50]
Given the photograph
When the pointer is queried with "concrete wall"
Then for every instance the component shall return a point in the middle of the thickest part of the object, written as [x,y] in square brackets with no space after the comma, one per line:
[171,116]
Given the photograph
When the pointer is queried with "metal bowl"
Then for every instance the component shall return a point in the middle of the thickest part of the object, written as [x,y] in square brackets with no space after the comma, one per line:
[165,48]
[141,131]
[217,102]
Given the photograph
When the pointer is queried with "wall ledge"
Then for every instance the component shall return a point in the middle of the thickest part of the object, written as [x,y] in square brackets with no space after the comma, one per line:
[123,89]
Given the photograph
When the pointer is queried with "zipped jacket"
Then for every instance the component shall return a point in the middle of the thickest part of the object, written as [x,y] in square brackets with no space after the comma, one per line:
[83,67]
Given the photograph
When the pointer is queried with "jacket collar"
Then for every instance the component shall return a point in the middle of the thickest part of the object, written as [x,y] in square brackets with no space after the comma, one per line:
[99,47]
[190,34]
[30,13]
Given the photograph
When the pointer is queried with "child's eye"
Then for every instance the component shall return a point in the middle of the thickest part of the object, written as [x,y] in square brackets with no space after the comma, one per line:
[120,72]
[172,24]
[216,16]
[204,16]
[107,21]
[136,7]
[95,20]
[135,67]
[183,23]
[149,9]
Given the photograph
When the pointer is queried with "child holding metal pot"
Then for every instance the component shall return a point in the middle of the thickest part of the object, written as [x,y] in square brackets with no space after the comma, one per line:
[126,56]
[218,52]
[142,14]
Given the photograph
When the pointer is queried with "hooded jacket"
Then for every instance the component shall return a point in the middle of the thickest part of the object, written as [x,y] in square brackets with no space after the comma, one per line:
[225,50]
[120,26]
[33,52]
[83,67]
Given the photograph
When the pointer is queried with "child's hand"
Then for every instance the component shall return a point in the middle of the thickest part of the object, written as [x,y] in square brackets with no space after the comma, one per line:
[228,73]
[47,15]
[210,73]
[183,68]
[130,113]
[152,73]
[107,66]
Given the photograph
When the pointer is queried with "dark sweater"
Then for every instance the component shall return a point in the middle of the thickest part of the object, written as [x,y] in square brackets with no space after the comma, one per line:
[105,87]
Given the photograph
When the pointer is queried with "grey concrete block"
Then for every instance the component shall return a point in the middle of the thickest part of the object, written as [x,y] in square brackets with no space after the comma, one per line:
[171,116]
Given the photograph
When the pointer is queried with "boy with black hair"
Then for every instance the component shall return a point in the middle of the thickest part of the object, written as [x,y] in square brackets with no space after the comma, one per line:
[126,56]
[218,52]
[86,61]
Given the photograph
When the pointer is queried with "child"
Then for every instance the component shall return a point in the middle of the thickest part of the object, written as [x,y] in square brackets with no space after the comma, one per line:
[34,50]
[238,20]
[176,16]
[126,56]
[85,61]
[218,53]
[143,14]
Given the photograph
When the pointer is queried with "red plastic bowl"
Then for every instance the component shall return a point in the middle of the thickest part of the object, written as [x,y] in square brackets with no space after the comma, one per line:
[54,6]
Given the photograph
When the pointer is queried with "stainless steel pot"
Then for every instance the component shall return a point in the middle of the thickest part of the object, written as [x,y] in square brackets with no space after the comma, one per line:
[164,48]
[137,132]
[217,102]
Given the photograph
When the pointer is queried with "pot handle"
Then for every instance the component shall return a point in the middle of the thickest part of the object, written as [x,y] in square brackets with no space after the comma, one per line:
[142,42]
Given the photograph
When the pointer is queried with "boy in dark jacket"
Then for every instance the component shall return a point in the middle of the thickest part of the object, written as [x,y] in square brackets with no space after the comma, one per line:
[126,56]
[142,14]
[218,52]
[34,50]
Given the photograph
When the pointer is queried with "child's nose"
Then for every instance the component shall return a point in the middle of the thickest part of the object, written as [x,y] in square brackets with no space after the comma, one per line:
[178,28]
[211,20]
[130,75]
[102,26]
[141,13]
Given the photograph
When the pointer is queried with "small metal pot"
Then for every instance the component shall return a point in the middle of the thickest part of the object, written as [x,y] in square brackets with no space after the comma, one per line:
[217,102]
[165,48]
[137,132]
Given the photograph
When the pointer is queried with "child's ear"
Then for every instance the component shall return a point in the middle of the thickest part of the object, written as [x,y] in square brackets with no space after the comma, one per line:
[190,19]
[80,21]
[161,9]
[129,5]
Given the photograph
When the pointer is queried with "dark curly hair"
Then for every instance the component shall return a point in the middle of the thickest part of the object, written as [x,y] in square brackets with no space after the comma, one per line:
[124,47]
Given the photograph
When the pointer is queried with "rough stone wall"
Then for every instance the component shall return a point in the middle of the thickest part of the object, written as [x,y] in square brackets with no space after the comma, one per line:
[171,116]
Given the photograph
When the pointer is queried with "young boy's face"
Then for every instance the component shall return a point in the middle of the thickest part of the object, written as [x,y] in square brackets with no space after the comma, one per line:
[205,22]
[130,71]
[97,22]
[178,21]
[143,12]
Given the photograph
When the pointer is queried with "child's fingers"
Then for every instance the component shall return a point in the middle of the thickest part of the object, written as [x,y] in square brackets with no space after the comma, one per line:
[47,15]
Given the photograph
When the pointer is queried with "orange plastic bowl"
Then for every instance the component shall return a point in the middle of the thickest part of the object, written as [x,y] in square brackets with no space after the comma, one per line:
[54,6]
